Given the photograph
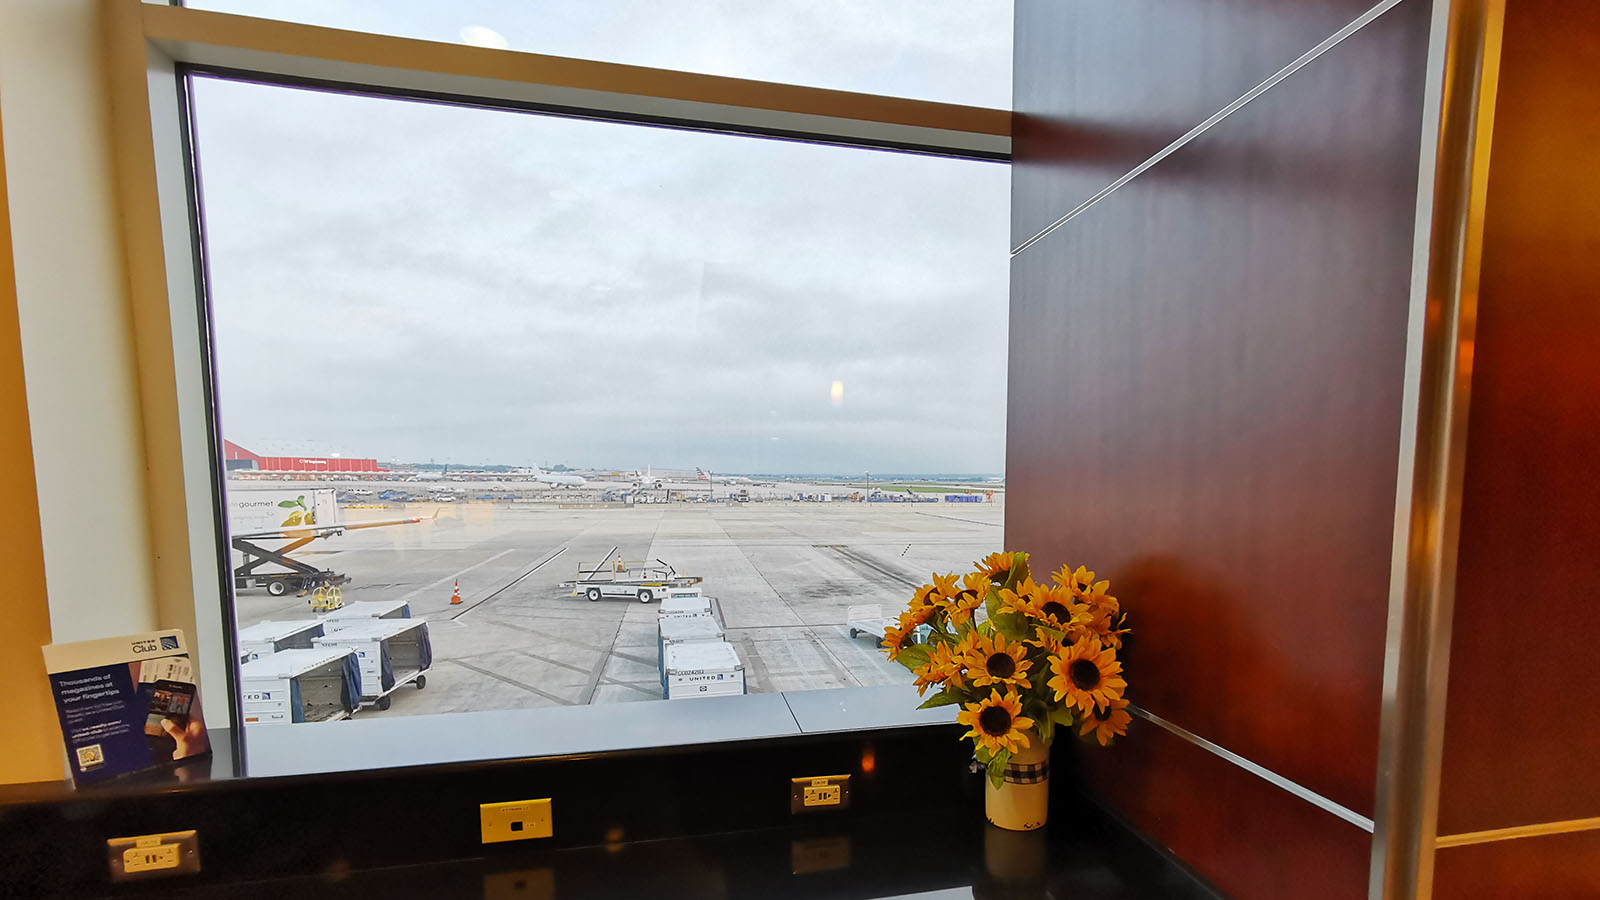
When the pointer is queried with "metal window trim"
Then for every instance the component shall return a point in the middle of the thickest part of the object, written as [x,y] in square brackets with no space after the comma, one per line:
[1458,122]
[291,53]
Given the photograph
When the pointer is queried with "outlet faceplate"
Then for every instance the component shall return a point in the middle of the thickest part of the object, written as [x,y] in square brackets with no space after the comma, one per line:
[819,792]
[517,820]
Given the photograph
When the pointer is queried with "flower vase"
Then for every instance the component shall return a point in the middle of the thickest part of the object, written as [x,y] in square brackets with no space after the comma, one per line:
[1022,801]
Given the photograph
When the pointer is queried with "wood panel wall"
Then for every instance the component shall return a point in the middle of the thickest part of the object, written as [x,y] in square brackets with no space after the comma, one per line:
[1522,723]
[1205,401]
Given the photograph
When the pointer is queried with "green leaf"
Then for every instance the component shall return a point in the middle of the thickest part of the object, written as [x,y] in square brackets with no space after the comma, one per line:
[1061,715]
[982,753]
[943,698]
[288,504]
[1046,729]
[913,656]
[997,768]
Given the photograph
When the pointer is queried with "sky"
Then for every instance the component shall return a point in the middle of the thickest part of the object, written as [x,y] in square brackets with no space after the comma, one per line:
[418,282]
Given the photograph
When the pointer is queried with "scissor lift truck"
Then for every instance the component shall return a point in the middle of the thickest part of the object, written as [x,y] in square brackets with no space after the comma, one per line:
[644,580]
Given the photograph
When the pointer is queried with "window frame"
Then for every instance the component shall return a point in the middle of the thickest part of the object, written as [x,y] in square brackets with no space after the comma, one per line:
[151,49]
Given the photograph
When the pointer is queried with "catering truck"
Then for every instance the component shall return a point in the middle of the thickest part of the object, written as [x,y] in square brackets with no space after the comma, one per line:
[266,525]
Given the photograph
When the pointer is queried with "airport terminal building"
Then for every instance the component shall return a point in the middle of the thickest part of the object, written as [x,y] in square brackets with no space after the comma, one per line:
[237,458]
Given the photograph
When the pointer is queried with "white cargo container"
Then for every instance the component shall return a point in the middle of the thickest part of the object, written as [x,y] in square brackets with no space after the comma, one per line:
[257,519]
[361,610]
[697,605]
[289,686]
[263,638]
[672,630]
[702,669]
[390,653]
[253,510]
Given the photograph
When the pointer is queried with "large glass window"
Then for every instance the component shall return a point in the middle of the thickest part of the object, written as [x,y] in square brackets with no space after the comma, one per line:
[955,51]
[555,364]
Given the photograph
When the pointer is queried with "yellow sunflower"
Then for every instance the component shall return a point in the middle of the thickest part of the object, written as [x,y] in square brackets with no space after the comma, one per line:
[1100,624]
[944,665]
[945,585]
[1020,599]
[992,661]
[1107,723]
[1054,607]
[997,566]
[1087,675]
[996,722]
[962,607]
[896,638]
[926,595]
[1073,579]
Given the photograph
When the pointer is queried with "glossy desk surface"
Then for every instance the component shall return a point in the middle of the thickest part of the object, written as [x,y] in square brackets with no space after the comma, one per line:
[1082,855]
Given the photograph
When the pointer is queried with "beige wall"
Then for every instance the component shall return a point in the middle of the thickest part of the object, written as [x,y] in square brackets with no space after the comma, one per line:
[70,423]
[77,347]
[28,749]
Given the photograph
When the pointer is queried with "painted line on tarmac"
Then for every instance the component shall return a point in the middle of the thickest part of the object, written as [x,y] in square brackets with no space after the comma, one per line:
[449,578]
[511,681]
[959,519]
[510,584]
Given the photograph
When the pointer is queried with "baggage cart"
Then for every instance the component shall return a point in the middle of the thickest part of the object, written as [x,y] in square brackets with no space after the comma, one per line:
[365,609]
[672,630]
[645,580]
[702,669]
[869,619]
[390,653]
[697,605]
[263,638]
[290,686]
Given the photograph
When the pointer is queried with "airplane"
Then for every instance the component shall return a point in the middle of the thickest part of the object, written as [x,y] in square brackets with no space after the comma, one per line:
[726,479]
[431,476]
[558,478]
[645,480]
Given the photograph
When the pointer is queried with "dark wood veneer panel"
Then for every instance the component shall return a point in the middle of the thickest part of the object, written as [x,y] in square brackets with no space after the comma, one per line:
[1205,406]
[1249,838]
[1101,85]
[1522,728]
[1552,867]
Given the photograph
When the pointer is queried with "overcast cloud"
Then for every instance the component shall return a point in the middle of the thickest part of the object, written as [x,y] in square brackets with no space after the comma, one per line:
[419,282]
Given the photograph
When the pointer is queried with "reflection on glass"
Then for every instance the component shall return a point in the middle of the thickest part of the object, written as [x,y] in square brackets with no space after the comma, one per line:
[954,51]
[511,375]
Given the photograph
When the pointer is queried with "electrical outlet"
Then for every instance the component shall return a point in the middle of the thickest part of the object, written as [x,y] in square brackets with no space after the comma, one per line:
[517,820]
[153,855]
[819,792]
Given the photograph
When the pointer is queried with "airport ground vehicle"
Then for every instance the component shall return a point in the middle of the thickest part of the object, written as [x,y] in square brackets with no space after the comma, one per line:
[645,580]
[265,525]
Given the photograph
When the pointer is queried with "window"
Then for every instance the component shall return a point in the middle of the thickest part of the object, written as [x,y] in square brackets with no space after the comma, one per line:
[545,351]
[954,51]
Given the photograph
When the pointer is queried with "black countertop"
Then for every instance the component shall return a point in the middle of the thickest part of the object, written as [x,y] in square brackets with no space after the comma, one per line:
[1083,854]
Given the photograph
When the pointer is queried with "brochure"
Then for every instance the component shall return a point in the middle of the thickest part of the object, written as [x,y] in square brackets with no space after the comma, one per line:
[126,704]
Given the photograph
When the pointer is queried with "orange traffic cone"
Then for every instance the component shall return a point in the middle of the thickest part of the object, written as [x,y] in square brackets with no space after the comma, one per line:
[455,596]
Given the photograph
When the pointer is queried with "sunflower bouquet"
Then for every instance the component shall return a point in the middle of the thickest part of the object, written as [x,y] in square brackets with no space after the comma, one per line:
[1020,657]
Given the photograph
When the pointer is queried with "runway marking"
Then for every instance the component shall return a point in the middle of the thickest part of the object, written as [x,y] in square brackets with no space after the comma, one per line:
[959,519]
[510,584]
[450,578]
[511,681]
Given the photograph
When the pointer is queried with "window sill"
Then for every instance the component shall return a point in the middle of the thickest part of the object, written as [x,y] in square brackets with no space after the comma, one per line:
[382,743]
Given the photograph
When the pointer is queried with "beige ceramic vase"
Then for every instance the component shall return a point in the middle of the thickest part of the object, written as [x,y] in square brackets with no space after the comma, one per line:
[1022,802]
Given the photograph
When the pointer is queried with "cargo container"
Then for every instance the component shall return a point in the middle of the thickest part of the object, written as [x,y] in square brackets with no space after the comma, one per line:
[264,638]
[390,653]
[317,685]
[702,669]
[696,605]
[353,613]
[672,630]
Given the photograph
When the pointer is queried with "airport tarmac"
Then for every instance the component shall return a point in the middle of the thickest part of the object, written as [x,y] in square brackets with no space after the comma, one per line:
[784,573]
